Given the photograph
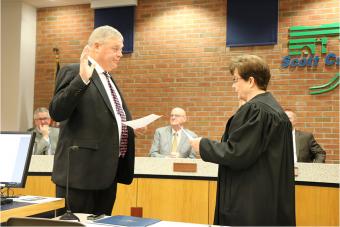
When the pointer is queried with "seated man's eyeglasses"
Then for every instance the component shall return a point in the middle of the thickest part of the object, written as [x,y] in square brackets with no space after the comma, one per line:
[176,115]
[42,119]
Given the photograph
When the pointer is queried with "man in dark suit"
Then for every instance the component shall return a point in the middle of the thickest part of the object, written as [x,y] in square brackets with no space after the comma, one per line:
[306,149]
[91,109]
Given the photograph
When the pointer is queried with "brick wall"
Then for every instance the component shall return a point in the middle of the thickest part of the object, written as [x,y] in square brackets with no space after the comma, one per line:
[180,59]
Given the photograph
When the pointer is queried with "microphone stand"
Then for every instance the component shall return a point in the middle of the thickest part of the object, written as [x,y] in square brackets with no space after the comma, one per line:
[69,215]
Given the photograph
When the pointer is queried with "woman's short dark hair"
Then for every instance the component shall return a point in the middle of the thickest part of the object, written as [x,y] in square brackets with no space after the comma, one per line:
[251,66]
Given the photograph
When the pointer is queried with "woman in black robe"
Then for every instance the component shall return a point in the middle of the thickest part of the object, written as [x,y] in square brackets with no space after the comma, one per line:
[255,156]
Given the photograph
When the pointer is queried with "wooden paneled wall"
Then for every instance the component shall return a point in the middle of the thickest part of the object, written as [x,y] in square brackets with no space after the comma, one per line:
[317,206]
[174,200]
[37,185]
[194,200]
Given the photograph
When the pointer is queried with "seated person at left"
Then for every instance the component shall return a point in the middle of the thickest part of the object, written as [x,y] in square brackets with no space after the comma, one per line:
[170,141]
[46,137]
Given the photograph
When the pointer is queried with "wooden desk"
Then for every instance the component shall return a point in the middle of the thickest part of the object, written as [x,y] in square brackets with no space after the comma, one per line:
[34,208]
[190,197]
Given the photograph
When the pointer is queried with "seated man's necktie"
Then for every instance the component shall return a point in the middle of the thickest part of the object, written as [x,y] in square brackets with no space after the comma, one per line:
[174,145]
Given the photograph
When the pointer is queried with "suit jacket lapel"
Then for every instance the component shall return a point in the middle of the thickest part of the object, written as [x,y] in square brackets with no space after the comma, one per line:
[98,83]
[297,145]
[169,140]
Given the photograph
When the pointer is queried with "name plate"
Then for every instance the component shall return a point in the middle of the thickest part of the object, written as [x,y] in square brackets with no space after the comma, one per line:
[185,167]
[136,211]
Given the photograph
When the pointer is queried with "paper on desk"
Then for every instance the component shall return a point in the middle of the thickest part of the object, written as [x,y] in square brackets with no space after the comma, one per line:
[35,199]
[142,122]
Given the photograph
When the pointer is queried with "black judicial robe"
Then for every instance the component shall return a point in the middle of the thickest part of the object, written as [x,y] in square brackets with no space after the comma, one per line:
[256,166]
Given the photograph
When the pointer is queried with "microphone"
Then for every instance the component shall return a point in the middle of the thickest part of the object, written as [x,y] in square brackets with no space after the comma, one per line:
[69,215]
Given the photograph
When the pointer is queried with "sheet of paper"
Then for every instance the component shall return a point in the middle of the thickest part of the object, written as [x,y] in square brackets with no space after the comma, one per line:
[142,122]
[35,199]
[187,134]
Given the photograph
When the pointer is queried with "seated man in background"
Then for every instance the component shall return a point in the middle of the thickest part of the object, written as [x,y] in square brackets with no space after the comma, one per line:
[46,137]
[306,149]
[171,141]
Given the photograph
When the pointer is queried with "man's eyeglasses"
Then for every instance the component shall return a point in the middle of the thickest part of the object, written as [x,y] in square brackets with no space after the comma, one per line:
[176,115]
[117,49]
[42,119]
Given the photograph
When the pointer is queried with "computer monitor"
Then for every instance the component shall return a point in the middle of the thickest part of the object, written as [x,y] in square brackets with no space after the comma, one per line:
[15,156]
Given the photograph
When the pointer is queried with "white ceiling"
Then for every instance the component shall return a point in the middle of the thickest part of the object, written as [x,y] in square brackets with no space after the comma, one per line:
[53,3]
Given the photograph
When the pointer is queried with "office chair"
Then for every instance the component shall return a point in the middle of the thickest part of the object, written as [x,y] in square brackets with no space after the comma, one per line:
[28,221]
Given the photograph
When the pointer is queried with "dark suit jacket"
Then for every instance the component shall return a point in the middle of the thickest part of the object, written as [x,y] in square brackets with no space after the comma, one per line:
[307,149]
[87,121]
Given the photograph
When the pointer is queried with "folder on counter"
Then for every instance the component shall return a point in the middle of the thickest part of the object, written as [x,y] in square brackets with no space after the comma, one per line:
[127,221]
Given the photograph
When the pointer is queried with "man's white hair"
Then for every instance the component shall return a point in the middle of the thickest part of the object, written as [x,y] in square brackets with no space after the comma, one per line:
[103,33]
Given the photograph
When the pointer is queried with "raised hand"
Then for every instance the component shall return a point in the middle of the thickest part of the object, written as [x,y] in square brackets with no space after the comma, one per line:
[44,129]
[85,71]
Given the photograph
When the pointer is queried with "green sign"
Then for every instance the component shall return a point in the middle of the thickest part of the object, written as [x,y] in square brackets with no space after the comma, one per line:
[308,37]
[330,85]
[302,45]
